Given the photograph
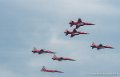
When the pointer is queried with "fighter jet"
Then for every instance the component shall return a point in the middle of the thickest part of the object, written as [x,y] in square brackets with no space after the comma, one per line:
[74,32]
[100,46]
[41,51]
[79,23]
[48,70]
[61,58]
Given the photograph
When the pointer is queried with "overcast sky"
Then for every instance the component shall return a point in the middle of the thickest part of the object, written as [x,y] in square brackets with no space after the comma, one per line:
[25,24]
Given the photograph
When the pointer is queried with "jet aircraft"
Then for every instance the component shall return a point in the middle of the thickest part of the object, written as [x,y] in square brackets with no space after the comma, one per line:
[61,58]
[100,46]
[49,70]
[79,23]
[41,51]
[74,32]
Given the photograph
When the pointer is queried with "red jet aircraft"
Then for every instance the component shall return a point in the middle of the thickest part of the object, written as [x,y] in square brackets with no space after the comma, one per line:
[74,32]
[100,46]
[79,23]
[47,70]
[41,51]
[61,58]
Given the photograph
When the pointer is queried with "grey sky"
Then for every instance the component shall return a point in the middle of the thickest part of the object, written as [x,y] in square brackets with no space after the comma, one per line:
[41,23]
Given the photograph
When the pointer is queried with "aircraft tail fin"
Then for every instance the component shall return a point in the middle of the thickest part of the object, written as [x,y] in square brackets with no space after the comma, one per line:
[74,30]
[71,23]
[66,32]
[79,20]
[43,68]
[93,43]
[34,48]
[54,56]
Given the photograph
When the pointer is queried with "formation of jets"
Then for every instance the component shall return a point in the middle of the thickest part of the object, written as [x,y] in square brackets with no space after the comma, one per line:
[77,24]
[41,51]
[72,33]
